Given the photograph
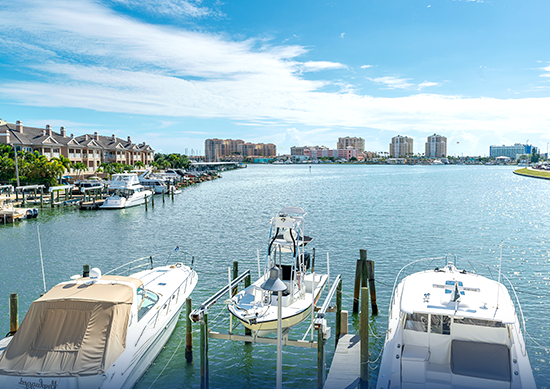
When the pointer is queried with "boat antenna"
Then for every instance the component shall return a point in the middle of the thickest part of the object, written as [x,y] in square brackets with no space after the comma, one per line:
[41,259]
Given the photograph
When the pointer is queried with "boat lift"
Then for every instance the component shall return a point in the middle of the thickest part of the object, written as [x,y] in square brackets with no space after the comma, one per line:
[319,323]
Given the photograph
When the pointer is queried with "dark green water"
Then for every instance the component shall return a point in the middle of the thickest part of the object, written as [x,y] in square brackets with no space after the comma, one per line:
[398,213]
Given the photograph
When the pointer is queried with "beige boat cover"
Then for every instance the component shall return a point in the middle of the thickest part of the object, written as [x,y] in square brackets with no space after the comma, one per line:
[73,330]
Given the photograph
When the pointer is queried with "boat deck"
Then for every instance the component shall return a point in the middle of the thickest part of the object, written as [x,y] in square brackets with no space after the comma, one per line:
[344,370]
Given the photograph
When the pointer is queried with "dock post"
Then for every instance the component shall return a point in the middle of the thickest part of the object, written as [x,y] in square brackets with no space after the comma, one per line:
[204,352]
[358,273]
[86,271]
[14,315]
[321,368]
[372,288]
[338,312]
[247,331]
[152,201]
[41,197]
[173,189]
[23,194]
[163,196]
[364,334]
[146,203]
[313,261]
[235,275]
[188,332]
[52,199]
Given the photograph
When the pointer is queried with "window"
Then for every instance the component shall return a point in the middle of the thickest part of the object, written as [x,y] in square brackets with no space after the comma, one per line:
[478,322]
[417,322]
[147,301]
[440,324]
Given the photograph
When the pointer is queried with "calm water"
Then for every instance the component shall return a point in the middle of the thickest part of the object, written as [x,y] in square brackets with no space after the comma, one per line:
[397,213]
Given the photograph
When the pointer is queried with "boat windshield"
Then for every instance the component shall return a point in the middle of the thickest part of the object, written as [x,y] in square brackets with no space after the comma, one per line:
[149,299]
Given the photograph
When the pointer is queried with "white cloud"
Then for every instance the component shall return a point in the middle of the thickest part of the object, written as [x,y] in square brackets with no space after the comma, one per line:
[427,84]
[167,7]
[314,66]
[392,82]
[342,35]
[366,66]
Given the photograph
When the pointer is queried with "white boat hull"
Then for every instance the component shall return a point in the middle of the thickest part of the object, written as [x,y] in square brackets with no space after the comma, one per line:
[119,202]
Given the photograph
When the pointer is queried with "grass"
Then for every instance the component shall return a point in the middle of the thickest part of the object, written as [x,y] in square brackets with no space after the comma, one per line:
[534,173]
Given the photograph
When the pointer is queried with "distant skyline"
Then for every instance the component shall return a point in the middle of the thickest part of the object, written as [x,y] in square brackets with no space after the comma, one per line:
[173,73]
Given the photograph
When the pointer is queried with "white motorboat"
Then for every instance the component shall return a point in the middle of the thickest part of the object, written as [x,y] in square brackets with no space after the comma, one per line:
[158,186]
[453,329]
[128,192]
[257,308]
[91,183]
[96,332]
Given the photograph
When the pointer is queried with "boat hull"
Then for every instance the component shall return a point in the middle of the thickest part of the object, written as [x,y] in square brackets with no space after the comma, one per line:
[118,202]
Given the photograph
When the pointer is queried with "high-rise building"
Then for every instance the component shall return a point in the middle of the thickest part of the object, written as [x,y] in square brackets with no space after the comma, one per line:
[512,151]
[355,143]
[214,149]
[436,146]
[401,146]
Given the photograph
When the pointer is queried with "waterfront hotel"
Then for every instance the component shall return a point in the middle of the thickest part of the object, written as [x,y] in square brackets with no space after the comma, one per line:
[215,149]
[436,146]
[92,150]
[401,146]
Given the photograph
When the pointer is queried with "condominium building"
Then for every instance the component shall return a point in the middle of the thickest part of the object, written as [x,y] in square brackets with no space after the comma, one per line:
[92,150]
[353,142]
[401,146]
[512,152]
[214,149]
[436,146]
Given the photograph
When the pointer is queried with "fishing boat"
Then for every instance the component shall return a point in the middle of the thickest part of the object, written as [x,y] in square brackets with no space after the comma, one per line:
[451,328]
[255,307]
[128,192]
[96,332]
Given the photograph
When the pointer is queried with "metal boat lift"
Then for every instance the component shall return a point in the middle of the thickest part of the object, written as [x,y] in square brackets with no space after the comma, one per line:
[319,323]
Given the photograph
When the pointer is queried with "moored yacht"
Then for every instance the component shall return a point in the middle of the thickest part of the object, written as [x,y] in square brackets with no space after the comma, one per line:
[449,328]
[257,308]
[128,192]
[96,332]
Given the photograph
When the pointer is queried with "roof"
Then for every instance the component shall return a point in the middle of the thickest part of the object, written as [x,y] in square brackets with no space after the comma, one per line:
[480,298]
[78,328]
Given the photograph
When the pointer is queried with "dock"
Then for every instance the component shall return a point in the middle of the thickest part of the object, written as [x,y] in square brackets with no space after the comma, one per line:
[344,371]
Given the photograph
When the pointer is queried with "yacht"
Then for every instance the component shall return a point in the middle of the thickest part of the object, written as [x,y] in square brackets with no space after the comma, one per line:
[451,328]
[90,183]
[256,308]
[96,332]
[128,192]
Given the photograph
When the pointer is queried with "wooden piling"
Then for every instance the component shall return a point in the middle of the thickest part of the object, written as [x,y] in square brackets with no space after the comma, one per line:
[41,197]
[247,281]
[14,314]
[372,288]
[86,271]
[313,261]
[204,352]
[321,367]
[235,275]
[146,203]
[338,312]
[358,274]
[51,199]
[188,332]
[163,196]
[173,190]
[153,200]
[364,334]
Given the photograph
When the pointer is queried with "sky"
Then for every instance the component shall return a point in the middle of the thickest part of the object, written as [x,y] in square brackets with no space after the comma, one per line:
[173,73]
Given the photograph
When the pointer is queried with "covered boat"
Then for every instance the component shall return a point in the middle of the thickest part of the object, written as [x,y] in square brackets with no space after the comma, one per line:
[98,332]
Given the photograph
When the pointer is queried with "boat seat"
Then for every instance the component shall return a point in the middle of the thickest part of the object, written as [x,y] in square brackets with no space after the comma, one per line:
[414,361]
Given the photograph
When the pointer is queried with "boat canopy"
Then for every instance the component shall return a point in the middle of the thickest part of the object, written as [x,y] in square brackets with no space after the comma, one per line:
[78,328]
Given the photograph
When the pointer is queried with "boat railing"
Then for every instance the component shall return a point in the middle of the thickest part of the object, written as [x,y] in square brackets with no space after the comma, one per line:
[167,303]
[150,261]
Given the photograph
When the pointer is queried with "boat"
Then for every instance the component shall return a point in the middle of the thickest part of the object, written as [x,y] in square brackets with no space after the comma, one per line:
[101,331]
[128,192]
[91,183]
[256,308]
[8,213]
[157,185]
[451,328]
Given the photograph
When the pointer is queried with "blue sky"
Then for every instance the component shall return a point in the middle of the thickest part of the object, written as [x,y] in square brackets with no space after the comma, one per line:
[174,73]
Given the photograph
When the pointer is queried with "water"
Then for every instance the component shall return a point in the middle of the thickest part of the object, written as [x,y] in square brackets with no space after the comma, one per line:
[397,213]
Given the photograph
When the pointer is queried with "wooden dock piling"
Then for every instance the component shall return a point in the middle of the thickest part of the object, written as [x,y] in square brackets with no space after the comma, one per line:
[14,314]
[247,282]
[321,366]
[372,288]
[146,203]
[86,271]
[235,275]
[204,352]
[188,332]
[153,201]
[364,334]
[358,277]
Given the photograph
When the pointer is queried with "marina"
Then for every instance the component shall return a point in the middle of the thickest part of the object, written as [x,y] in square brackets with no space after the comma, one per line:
[398,213]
